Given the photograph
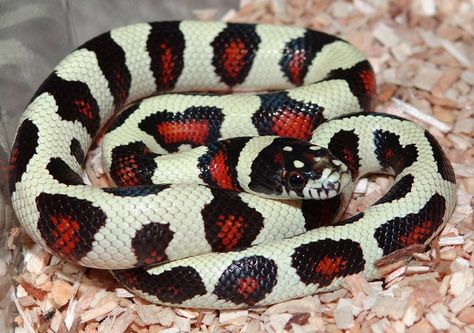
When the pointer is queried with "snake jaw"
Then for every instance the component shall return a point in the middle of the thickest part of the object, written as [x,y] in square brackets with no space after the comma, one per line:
[333,179]
[326,188]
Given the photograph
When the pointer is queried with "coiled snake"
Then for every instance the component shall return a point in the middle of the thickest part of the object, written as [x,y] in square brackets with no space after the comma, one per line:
[306,135]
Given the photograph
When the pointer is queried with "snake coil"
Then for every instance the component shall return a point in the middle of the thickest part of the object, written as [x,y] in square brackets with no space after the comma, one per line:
[206,244]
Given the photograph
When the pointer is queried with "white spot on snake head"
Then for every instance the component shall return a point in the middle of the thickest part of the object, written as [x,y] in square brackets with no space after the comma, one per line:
[298,164]
[325,174]
[315,148]
[288,148]
[334,177]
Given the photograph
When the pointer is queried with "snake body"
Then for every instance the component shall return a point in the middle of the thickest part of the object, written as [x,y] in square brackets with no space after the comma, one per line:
[261,251]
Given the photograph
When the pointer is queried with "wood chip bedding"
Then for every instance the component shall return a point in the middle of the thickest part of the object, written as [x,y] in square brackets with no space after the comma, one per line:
[422,54]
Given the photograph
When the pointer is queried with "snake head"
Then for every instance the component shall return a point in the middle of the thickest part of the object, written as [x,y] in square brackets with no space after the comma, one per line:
[295,169]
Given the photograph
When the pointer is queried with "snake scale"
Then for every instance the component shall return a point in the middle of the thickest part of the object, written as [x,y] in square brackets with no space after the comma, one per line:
[222,225]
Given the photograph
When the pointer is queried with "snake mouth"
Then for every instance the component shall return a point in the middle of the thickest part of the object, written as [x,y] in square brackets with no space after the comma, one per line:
[323,190]
[331,183]
[322,194]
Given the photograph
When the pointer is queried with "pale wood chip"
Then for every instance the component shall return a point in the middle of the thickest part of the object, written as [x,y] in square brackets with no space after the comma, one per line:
[426,78]
[421,256]
[415,269]
[123,293]
[461,263]
[331,296]
[357,284]
[467,315]
[385,35]
[167,317]
[464,126]
[402,51]
[430,38]
[36,259]
[460,142]
[26,301]
[61,292]
[457,52]
[186,313]
[369,301]
[424,7]
[462,301]
[55,260]
[396,274]
[423,326]
[448,254]
[117,311]
[208,317]
[98,297]
[392,307]
[438,320]
[316,322]
[361,186]
[412,314]
[306,304]
[441,101]
[231,315]
[43,282]
[341,9]
[460,281]
[183,324]
[277,322]
[71,314]
[149,314]
[453,240]
[229,15]
[469,245]
[57,322]
[27,323]
[364,7]
[98,311]
[448,78]
[70,268]
[381,326]
[377,286]
[253,326]
[13,234]
[343,316]
[409,109]
[279,7]
[463,170]
[123,321]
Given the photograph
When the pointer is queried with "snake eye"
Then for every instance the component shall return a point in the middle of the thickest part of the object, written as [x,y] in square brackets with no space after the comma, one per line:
[296,180]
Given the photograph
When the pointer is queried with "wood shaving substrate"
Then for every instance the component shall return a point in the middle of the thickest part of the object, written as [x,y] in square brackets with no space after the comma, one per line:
[422,54]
